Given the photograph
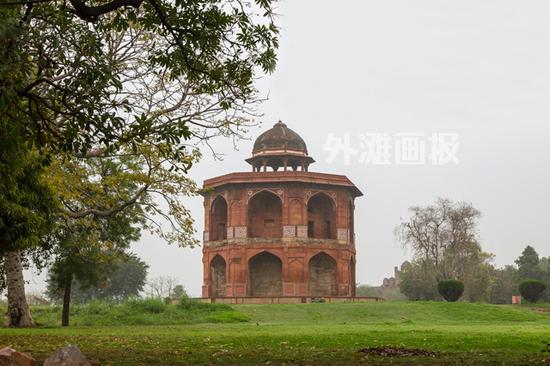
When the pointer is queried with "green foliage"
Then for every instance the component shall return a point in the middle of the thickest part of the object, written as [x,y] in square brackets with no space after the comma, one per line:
[532,290]
[504,285]
[89,250]
[321,334]
[76,94]
[178,292]
[444,239]
[450,290]
[528,265]
[27,203]
[188,303]
[153,306]
[138,312]
[124,280]
[418,282]
[130,90]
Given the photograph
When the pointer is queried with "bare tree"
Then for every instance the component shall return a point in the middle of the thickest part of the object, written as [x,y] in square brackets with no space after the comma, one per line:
[161,287]
[443,236]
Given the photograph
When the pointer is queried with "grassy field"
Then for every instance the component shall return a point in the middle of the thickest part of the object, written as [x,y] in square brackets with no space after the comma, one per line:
[308,334]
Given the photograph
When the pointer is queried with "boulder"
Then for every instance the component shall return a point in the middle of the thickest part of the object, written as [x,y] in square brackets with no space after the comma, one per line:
[67,356]
[10,357]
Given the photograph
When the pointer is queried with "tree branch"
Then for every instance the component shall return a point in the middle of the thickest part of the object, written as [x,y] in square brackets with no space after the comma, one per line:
[91,13]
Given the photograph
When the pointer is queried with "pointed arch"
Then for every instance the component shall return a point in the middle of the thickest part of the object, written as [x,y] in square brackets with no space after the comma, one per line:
[265,275]
[265,215]
[322,275]
[218,219]
[321,217]
[218,271]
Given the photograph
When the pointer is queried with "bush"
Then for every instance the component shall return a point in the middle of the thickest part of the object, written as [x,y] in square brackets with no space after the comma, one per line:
[531,290]
[189,304]
[154,306]
[450,290]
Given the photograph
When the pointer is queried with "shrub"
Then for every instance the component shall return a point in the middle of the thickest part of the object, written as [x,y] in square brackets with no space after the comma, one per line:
[531,290]
[154,306]
[450,290]
[187,303]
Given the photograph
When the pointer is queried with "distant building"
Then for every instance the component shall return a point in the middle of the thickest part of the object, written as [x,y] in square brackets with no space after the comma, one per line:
[395,281]
[279,230]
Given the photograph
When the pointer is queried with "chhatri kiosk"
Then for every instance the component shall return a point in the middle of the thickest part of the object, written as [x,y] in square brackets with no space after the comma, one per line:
[279,231]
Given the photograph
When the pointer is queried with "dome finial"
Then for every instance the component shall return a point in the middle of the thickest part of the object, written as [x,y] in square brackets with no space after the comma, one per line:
[279,124]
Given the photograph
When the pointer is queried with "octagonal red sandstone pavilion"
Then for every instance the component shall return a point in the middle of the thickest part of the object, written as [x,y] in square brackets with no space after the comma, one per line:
[280,230]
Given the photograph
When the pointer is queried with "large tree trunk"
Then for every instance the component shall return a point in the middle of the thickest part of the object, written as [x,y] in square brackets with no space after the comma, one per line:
[19,314]
[66,302]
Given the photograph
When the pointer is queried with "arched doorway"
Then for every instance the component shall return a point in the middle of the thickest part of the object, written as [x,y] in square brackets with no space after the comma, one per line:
[218,219]
[217,275]
[322,275]
[265,275]
[265,215]
[321,217]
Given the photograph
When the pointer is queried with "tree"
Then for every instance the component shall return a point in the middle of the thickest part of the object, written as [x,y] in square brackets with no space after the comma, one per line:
[418,281]
[532,290]
[504,286]
[27,205]
[89,251]
[177,292]
[152,78]
[528,265]
[58,73]
[479,278]
[544,266]
[444,241]
[124,280]
[161,287]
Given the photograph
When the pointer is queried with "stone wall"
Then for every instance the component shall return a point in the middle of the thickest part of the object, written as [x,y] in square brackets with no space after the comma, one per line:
[265,216]
[322,276]
[265,275]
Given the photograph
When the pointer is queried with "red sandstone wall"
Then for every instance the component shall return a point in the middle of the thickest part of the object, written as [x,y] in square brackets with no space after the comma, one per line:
[294,249]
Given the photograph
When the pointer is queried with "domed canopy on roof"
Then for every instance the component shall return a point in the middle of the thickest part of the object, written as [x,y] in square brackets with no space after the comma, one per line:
[280,137]
[279,147]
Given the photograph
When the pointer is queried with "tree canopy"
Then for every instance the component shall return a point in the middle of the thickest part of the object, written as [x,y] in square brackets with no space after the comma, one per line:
[70,72]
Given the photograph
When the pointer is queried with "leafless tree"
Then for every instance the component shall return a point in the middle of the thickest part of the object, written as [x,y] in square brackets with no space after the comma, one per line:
[161,287]
[443,236]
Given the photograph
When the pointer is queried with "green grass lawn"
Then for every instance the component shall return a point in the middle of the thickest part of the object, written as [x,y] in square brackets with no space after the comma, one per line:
[305,334]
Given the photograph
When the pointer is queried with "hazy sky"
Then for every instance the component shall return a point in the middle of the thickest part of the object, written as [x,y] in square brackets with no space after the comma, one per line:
[480,69]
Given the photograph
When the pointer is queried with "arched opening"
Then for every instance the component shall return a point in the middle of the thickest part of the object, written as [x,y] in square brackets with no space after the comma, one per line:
[218,219]
[265,215]
[217,275]
[351,226]
[321,217]
[265,275]
[322,275]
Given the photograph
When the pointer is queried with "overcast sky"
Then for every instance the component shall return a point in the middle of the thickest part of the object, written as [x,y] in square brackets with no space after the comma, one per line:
[476,68]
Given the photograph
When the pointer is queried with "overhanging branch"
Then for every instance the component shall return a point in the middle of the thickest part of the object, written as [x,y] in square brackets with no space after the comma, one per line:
[91,13]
